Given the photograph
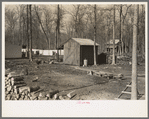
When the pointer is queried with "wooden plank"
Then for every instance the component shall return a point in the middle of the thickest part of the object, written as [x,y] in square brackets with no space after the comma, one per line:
[126,92]
[128,86]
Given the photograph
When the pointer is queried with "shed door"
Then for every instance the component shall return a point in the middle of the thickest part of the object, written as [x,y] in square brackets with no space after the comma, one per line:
[87,52]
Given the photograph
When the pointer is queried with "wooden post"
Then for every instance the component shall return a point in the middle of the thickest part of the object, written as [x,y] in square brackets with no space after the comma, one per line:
[134,55]
[95,36]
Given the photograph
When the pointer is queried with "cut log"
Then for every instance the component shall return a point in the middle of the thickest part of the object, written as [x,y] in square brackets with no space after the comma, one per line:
[20,85]
[120,75]
[55,97]
[17,78]
[61,98]
[34,80]
[16,91]
[71,94]
[33,97]
[66,98]
[90,73]
[42,94]
[9,88]
[53,93]
[33,89]
[22,89]
[19,82]
[51,62]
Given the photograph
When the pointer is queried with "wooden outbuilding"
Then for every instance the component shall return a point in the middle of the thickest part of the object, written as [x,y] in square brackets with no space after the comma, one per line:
[78,49]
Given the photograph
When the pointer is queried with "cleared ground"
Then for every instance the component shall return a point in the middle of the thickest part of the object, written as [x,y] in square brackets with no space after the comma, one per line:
[67,78]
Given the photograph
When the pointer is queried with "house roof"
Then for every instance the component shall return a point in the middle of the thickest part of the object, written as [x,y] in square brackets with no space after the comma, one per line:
[111,41]
[82,41]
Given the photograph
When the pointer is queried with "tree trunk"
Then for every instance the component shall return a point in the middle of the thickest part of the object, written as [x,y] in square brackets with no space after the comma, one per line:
[13,36]
[143,33]
[120,30]
[134,55]
[58,32]
[20,26]
[125,48]
[30,53]
[95,36]
[27,33]
[23,32]
[113,61]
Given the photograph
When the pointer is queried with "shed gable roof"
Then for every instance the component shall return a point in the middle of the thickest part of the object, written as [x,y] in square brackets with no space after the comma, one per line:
[82,41]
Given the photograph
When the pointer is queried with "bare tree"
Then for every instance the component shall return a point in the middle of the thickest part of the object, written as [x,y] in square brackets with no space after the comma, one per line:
[134,54]
[30,50]
[120,29]
[27,31]
[122,24]
[20,11]
[95,35]
[11,20]
[113,61]
[39,20]
[78,14]
[57,31]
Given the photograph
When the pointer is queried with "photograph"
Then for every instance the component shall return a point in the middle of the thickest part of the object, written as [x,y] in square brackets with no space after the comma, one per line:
[74,51]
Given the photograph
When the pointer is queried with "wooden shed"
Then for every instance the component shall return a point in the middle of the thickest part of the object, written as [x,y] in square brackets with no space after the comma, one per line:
[78,49]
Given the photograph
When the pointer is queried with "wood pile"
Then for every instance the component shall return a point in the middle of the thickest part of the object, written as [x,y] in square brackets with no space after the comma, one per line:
[17,89]
[106,75]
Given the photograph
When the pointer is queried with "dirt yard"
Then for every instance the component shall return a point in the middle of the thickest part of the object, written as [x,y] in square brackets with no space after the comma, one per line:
[66,78]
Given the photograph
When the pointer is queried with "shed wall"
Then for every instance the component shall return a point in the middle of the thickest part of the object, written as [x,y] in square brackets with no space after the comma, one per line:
[72,53]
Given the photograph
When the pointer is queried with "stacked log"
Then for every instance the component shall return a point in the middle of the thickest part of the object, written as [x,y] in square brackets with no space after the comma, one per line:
[16,89]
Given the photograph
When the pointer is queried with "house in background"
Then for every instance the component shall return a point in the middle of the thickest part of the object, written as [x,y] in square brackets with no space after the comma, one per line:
[12,51]
[78,49]
[110,45]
